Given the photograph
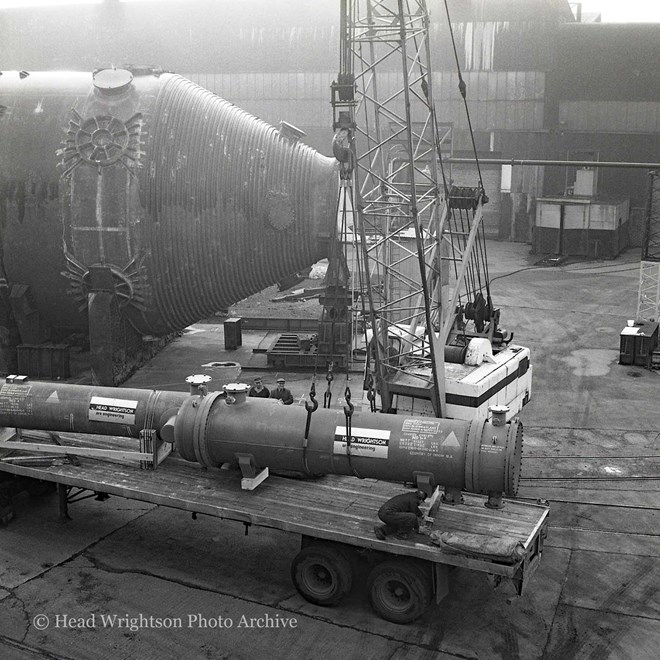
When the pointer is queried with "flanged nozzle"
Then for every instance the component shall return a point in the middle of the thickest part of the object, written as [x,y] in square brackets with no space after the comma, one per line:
[236,392]
[198,383]
[498,414]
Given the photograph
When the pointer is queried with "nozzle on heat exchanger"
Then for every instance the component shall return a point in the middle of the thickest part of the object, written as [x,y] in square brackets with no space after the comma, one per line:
[498,415]
[198,383]
[198,388]
[236,393]
[498,418]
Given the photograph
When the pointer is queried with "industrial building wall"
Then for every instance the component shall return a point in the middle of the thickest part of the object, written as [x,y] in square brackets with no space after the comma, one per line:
[537,84]
[603,96]
[624,182]
[218,36]
[276,58]
[607,62]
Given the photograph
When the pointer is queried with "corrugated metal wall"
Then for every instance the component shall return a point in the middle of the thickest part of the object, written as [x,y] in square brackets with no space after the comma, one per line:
[610,116]
[535,82]
[607,62]
[498,100]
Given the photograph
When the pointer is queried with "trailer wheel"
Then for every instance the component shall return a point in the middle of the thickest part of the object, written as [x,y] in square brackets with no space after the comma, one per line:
[400,590]
[322,574]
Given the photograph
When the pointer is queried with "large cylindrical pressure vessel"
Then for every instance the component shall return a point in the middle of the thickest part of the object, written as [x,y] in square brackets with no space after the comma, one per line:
[51,406]
[191,203]
[220,427]
[478,456]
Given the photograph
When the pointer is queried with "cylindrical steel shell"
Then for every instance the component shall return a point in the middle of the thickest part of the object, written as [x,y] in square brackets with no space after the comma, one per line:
[191,202]
[474,456]
[86,409]
[215,429]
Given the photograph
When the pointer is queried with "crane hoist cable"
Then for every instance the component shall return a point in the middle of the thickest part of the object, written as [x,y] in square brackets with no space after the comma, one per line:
[462,87]
[474,275]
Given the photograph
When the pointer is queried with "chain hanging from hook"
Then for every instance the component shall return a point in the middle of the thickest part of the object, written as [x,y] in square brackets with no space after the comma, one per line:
[371,392]
[348,412]
[327,396]
[310,408]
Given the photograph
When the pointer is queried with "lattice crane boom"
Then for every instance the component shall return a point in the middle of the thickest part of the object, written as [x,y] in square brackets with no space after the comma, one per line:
[648,300]
[420,240]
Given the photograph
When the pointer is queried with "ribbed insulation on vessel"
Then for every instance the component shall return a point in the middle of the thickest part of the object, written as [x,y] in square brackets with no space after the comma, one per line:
[189,202]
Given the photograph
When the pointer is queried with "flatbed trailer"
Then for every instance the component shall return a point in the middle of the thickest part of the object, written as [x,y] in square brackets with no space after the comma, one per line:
[335,516]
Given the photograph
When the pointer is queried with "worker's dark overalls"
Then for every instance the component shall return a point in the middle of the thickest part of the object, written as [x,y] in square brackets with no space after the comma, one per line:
[401,515]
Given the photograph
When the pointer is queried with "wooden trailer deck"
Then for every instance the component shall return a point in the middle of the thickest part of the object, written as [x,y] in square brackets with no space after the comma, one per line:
[336,508]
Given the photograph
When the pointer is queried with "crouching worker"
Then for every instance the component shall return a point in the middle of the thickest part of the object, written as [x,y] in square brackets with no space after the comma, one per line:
[401,516]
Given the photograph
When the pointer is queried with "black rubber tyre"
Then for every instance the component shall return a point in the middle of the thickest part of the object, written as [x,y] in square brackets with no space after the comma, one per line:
[322,574]
[400,590]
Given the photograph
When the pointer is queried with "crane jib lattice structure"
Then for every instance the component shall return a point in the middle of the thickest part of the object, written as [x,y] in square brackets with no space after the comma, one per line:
[419,241]
[648,301]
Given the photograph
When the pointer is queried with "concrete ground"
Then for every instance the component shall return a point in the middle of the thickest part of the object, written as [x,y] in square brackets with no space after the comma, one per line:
[125,579]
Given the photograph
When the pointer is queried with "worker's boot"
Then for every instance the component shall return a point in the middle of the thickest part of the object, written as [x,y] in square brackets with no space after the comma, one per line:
[6,508]
[380,532]
[6,515]
[405,536]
